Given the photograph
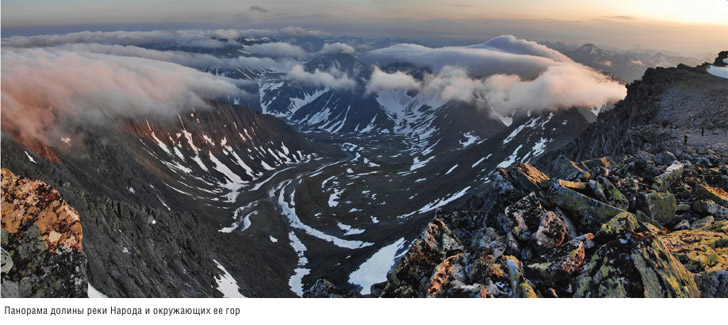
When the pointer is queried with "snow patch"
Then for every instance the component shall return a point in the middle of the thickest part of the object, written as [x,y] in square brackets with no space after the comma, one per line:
[93,293]
[417,164]
[349,229]
[375,269]
[334,197]
[30,158]
[226,284]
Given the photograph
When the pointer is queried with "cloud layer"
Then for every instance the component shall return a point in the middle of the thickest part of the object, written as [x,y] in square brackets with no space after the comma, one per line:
[194,38]
[501,55]
[277,49]
[333,78]
[42,87]
[196,60]
[335,48]
[509,74]
[381,80]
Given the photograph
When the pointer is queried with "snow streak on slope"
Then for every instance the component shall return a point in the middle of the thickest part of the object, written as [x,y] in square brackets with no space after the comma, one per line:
[296,280]
[288,210]
[226,284]
[375,269]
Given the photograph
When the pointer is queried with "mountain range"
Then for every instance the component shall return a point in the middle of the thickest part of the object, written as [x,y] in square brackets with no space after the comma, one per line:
[318,174]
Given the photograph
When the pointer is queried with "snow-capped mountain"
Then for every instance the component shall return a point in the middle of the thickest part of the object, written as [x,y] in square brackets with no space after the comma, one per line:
[321,176]
[627,65]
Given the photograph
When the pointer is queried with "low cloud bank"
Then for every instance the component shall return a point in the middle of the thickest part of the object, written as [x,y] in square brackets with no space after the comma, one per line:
[193,38]
[336,48]
[333,78]
[388,81]
[277,49]
[42,87]
[509,74]
[196,60]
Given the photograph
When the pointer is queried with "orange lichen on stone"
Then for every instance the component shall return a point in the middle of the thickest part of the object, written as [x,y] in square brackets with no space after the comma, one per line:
[573,185]
[441,275]
[528,176]
[717,191]
[27,201]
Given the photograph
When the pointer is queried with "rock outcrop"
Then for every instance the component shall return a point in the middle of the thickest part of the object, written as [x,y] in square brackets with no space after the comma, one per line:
[543,236]
[42,239]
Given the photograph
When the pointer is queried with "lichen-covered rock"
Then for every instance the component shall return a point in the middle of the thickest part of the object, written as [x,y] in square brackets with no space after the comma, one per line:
[412,275]
[470,291]
[699,250]
[672,175]
[449,271]
[710,208]
[632,262]
[591,211]
[41,241]
[528,221]
[714,194]
[520,287]
[659,206]
[485,268]
[563,168]
[553,269]
[713,284]
[322,288]
[606,192]
[528,177]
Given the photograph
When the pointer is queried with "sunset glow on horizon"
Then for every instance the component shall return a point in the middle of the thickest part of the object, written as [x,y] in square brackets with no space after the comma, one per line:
[696,26]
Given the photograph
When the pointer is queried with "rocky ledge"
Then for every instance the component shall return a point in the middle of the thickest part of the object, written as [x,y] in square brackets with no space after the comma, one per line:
[644,226]
[42,239]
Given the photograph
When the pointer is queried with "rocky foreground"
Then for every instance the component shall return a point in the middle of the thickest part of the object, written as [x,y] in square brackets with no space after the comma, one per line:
[644,226]
[639,213]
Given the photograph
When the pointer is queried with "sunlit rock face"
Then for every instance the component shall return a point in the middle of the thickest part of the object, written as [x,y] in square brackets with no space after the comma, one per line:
[42,241]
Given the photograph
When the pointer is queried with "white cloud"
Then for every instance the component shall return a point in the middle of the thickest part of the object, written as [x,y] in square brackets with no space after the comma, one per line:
[511,44]
[334,48]
[277,49]
[381,80]
[503,54]
[560,86]
[508,73]
[196,60]
[198,38]
[44,86]
[333,79]
[190,37]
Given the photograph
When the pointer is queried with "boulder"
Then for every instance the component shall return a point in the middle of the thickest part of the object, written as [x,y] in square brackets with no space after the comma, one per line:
[713,284]
[563,168]
[450,271]
[632,262]
[591,211]
[659,206]
[528,177]
[413,275]
[605,191]
[699,250]
[41,241]
[671,176]
[553,269]
[665,157]
[520,288]
[528,221]
[714,194]
[322,288]
[710,208]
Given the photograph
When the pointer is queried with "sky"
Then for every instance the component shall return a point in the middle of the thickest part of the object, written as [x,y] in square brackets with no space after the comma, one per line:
[688,27]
